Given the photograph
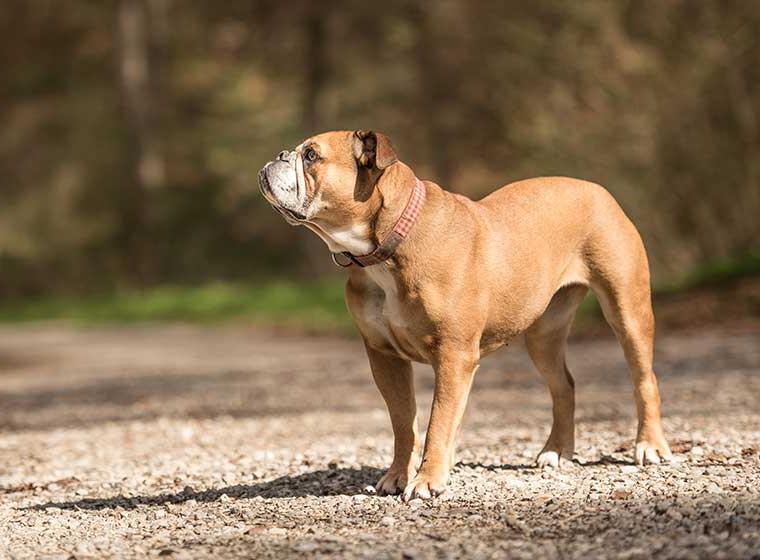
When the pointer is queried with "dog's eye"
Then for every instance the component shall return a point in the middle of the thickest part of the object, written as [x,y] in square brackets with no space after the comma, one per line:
[310,155]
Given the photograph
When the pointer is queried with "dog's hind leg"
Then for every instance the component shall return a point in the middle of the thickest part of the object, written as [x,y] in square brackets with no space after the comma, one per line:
[620,280]
[546,344]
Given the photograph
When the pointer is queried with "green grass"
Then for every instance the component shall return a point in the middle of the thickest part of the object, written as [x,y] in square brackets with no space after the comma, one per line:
[313,306]
[715,274]
[316,306]
[722,271]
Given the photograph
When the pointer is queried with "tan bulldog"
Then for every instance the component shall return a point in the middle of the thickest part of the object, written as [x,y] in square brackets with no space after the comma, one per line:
[437,278]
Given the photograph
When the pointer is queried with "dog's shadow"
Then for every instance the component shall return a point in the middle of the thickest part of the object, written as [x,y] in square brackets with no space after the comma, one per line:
[321,483]
[604,460]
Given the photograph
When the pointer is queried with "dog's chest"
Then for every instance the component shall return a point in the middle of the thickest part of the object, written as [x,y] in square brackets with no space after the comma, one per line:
[384,316]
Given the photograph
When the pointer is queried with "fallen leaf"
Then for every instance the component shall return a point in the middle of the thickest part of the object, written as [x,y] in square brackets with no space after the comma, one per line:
[681,446]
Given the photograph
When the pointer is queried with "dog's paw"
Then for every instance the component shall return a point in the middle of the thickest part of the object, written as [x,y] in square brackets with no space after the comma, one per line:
[652,452]
[554,453]
[394,480]
[548,459]
[553,459]
[425,486]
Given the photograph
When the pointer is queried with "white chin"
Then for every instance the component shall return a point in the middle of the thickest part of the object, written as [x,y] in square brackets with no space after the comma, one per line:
[292,221]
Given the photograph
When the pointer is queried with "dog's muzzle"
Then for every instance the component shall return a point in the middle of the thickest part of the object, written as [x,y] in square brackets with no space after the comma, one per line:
[281,185]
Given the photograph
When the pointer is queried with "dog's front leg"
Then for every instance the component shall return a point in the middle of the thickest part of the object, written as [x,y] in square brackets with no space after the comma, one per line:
[395,380]
[454,371]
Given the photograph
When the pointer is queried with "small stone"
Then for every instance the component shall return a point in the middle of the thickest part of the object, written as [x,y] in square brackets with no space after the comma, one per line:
[675,515]
[288,500]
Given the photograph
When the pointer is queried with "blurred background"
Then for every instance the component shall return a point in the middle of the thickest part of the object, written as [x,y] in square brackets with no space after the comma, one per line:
[132,131]
[164,395]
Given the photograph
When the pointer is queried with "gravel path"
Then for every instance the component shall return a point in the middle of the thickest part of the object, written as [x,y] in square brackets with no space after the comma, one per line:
[227,442]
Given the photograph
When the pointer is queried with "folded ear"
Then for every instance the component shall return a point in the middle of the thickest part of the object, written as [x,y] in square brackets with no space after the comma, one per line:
[373,150]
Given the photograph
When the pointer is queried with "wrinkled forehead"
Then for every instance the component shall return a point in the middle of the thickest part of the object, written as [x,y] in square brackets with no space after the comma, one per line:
[332,145]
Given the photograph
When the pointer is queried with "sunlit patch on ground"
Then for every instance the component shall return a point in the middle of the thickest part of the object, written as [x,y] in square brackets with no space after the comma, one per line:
[225,441]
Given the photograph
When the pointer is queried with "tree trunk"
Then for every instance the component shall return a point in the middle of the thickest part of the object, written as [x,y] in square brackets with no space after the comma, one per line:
[140,59]
[435,83]
[316,67]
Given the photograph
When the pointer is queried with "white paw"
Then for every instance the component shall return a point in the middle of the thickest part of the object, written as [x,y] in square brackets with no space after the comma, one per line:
[548,459]
[425,486]
[392,482]
[649,453]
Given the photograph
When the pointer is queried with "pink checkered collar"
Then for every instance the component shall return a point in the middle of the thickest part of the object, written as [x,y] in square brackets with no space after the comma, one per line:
[390,243]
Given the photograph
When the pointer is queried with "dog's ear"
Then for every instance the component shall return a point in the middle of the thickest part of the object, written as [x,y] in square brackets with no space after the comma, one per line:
[373,150]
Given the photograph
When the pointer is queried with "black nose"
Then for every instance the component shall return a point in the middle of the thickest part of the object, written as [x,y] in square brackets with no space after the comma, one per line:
[283,155]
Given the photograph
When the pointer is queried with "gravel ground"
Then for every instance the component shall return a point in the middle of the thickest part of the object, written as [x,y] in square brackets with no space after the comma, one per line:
[228,442]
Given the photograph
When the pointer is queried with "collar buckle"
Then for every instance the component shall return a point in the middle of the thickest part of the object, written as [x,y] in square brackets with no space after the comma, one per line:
[345,264]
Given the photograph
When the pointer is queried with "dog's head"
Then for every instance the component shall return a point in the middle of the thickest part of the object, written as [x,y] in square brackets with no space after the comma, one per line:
[328,178]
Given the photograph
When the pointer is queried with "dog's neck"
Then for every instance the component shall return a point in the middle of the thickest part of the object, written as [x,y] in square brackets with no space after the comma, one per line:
[385,207]
[394,188]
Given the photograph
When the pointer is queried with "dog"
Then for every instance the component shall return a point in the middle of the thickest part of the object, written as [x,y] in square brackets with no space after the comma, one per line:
[437,278]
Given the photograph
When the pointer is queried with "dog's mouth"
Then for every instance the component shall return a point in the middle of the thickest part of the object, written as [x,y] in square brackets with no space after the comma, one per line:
[264,187]
[266,191]
[292,214]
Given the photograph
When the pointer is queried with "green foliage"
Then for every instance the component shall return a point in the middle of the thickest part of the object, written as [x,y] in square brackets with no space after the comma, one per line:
[316,306]
[720,272]
[313,306]
[655,100]
[715,275]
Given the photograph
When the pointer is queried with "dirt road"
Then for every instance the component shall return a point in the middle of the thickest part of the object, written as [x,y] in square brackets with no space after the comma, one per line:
[226,442]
